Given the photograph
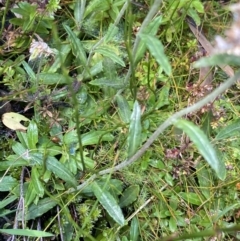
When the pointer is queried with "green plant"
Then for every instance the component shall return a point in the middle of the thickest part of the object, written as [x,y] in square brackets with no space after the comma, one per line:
[93,163]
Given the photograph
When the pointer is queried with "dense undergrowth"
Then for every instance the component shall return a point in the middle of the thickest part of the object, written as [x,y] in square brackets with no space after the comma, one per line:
[95,79]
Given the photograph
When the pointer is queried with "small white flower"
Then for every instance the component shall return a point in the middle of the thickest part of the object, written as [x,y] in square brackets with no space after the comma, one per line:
[39,48]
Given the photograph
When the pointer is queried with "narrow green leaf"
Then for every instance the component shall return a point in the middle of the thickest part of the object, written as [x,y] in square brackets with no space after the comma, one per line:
[123,108]
[7,183]
[204,146]
[60,58]
[95,137]
[191,198]
[32,135]
[7,201]
[38,210]
[76,44]
[22,136]
[229,131]
[151,29]
[110,53]
[30,195]
[26,232]
[52,78]
[134,230]
[60,170]
[111,33]
[103,82]
[4,165]
[157,50]
[129,196]
[29,71]
[79,9]
[135,130]
[109,203]
[37,184]
[218,59]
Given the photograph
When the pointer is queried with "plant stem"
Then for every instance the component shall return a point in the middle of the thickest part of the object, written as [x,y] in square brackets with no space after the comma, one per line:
[152,12]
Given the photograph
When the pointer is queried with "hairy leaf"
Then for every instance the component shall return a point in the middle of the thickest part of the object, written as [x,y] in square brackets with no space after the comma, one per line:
[32,135]
[38,210]
[60,170]
[135,130]
[109,203]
